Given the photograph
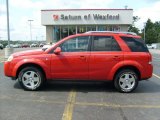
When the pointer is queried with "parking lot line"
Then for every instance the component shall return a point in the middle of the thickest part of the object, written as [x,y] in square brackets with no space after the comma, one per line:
[28,100]
[117,105]
[156,75]
[68,111]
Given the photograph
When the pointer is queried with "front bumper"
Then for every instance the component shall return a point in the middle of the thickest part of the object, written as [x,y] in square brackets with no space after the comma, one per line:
[8,68]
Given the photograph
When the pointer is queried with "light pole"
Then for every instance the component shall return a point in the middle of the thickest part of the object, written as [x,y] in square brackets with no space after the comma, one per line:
[9,50]
[8,30]
[30,28]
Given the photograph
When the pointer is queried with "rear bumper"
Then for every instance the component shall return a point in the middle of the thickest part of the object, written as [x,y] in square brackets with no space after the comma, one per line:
[147,72]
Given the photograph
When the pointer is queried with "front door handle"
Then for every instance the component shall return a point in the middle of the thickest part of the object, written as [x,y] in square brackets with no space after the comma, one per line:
[82,58]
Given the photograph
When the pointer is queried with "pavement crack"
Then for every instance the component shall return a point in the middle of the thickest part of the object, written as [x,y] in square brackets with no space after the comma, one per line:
[122,114]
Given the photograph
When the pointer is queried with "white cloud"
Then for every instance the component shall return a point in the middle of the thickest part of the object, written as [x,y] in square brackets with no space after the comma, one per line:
[26,4]
[2,9]
[151,12]
[22,10]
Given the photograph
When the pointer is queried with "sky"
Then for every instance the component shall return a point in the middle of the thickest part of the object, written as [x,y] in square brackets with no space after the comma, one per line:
[23,10]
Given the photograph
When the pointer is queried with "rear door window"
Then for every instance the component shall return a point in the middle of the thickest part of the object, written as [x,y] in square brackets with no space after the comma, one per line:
[105,43]
[135,44]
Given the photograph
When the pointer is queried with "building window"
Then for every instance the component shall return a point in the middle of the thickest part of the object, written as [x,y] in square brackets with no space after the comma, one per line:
[64,31]
[56,33]
[72,30]
[81,29]
[91,28]
[102,28]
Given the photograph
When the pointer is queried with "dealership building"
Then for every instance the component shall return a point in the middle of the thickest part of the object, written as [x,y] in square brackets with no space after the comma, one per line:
[61,23]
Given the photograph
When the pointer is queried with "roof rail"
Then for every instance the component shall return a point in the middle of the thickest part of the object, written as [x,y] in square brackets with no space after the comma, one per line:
[116,32]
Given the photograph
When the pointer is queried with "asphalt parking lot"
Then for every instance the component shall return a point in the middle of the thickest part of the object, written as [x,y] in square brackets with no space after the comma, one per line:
[81,101]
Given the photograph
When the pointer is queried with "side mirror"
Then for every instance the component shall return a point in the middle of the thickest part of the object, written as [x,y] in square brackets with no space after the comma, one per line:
[57,50]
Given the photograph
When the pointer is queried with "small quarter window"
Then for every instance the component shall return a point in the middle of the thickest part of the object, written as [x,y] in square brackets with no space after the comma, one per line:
[135,44]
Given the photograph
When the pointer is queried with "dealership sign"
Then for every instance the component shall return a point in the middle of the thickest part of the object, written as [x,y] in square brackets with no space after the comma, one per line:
[86,17]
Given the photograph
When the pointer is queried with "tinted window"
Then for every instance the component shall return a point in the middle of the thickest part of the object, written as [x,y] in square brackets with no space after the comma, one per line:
[75,44]
[105,43]
[135,44]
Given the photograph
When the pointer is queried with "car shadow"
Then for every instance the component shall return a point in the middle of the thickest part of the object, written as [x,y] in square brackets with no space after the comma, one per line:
[85,87]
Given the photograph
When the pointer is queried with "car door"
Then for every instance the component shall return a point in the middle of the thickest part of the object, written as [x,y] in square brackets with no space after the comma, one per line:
[105,54]
[72,62]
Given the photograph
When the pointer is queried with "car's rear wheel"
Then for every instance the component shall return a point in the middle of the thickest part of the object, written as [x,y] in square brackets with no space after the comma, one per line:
[31,78]
[126,81]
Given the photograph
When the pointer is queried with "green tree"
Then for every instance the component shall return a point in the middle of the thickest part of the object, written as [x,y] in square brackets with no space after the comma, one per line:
[132,27]
[151,34]
[157,30]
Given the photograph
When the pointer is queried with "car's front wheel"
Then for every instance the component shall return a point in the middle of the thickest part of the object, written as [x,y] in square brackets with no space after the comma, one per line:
[126,81]
[31,78]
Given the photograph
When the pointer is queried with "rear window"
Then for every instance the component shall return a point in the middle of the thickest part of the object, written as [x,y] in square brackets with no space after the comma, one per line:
[135,44]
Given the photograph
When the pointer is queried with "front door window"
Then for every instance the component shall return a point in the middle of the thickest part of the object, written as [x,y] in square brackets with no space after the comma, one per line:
[78,44]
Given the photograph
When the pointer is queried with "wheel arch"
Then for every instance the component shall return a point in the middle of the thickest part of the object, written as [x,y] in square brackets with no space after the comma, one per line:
[135,69]
[30,65]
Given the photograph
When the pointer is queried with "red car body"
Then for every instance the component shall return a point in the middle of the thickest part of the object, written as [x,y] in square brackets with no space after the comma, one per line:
[89,65]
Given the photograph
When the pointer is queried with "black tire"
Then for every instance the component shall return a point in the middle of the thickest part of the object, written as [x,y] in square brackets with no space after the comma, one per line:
[31,78]
[126,81]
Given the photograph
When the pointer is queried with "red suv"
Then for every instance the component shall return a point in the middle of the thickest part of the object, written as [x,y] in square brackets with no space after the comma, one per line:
[102,56]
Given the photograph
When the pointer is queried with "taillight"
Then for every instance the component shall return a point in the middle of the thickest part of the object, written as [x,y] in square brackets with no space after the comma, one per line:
[149,58]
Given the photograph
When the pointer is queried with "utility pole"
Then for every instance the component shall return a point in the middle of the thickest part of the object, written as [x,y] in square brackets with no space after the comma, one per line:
[9,50]
[8,30]
[30,28]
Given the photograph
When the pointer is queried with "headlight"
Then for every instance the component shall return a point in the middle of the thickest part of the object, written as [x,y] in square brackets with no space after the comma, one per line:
[10,58]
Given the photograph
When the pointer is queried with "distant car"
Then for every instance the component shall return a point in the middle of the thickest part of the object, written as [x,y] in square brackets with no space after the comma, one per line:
[152,46]
[25,46]
[16,46]
[1,46]
[42,44]
[11,46]
[47,46]
[34,45]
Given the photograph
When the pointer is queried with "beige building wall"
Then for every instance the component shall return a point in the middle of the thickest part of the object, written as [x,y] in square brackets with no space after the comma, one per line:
[124,28]
[49,33]
[51,18]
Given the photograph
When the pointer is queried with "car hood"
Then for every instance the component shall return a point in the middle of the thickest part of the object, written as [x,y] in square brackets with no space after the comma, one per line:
[28,52]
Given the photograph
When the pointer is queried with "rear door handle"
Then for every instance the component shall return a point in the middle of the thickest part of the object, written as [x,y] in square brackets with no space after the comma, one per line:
[82,57]
[116,58]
